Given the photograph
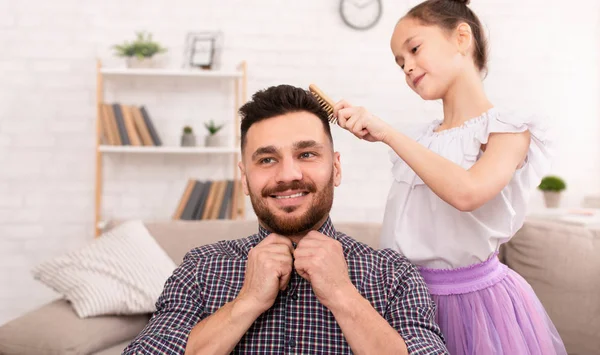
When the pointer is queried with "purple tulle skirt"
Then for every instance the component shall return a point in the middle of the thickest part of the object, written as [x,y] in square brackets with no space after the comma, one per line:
[488,309]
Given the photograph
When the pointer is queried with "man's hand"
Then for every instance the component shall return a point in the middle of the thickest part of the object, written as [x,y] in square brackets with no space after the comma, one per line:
[320,260]
[268,270]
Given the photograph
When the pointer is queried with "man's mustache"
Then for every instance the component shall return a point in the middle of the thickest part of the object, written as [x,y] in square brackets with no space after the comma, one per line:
[294,185]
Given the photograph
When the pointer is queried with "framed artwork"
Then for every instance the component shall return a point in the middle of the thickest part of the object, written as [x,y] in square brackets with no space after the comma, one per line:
[202,50]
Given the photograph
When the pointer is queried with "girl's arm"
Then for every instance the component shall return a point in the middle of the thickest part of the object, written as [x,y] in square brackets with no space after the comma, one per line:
[469,189]
[465,190]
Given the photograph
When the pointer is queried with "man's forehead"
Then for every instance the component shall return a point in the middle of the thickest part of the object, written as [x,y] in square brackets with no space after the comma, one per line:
[286,131]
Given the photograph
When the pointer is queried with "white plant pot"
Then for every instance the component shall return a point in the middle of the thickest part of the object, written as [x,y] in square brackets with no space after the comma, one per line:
[214,141]
[552,199]
[143,63]
[188,140]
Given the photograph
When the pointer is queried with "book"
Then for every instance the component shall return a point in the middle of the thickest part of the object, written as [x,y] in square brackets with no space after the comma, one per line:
[141,127]
[151,129]
[192,203]
[184,199]
[111,124]
[120,124]
[218,201]
[223,211]
[130,126]
[202,201]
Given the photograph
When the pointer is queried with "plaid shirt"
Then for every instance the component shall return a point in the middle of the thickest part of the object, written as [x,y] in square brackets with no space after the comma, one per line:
[212,275]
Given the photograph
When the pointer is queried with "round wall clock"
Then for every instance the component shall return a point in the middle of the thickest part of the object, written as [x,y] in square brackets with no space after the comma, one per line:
[361,14]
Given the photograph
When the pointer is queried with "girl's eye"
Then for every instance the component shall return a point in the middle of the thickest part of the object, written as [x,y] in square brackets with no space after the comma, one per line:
[414,50]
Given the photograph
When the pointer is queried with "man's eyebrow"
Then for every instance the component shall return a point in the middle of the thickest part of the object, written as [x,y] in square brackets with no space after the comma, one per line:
[270,149]
[307,144]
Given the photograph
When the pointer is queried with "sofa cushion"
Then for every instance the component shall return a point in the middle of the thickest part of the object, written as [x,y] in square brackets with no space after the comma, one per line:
[56,329]
[562,264]
[122,272]
[179,237]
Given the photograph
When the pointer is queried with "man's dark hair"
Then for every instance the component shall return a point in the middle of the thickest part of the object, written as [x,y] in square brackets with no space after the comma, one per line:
[280,100]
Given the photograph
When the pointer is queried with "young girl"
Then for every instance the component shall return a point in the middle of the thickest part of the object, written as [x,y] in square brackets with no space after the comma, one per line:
[461,186]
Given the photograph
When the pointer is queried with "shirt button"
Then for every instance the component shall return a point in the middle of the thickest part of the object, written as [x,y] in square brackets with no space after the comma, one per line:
[295,297]
[292,343]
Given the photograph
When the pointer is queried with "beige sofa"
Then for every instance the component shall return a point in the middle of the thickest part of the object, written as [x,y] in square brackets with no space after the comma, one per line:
[559,261]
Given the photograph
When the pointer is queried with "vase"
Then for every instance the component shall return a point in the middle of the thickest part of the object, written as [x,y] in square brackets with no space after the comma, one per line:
[188,140]
[140,63]
[213,140]
[552,199]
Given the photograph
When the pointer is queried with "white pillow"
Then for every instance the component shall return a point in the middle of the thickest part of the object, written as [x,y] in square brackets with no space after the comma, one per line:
[121,272]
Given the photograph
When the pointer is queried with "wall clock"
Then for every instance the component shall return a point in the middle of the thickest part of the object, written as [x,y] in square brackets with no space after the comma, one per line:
[361,14]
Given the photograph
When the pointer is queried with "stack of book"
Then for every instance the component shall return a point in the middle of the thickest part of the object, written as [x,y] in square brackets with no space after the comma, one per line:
[207,200]
[127,125]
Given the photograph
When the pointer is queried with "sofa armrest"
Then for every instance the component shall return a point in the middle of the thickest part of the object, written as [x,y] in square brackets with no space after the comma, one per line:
[560,261]
[55,328]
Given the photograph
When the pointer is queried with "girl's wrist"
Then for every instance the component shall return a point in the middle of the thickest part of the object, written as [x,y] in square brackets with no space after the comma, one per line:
[389,136]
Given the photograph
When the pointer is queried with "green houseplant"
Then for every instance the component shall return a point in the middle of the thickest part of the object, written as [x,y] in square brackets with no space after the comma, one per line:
[212,140]
[140,52]
[552,187]
[188,139]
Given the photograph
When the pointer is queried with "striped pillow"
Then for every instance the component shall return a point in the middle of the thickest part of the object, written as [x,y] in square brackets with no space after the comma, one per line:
[121,272]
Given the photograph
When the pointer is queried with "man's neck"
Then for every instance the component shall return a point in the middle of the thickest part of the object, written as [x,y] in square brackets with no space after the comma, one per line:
[295,238]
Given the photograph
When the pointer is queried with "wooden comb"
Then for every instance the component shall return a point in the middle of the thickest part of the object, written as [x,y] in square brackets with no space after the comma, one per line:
[324,100]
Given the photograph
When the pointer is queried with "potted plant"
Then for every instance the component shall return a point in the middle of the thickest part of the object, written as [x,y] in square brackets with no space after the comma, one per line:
[139,53]
[212,140]
[552,186]
[188,139]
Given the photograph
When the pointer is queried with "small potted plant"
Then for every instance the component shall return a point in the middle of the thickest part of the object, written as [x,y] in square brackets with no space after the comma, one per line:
[188,139]
[139,53]
[552,186]
[212,140]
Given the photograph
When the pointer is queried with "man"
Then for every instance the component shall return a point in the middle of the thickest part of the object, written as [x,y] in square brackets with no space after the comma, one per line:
[298,285]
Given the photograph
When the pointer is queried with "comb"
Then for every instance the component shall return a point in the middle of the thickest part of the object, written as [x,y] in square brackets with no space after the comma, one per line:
[324,100]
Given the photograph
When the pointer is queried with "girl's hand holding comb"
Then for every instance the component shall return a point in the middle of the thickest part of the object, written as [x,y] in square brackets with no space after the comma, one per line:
[361,122]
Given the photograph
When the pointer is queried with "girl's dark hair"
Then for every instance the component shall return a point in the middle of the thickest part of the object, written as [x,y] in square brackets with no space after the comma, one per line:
[447,14]
[280,100]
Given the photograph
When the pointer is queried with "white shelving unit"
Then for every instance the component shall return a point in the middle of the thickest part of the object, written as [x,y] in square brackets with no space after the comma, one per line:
[238,76]
[168,150]
[223,74]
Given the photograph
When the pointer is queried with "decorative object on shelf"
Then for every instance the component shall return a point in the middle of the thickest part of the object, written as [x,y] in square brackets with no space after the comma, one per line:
[361,14]
[188,139]
[552,186]
[203,50]
[212,140]
[140,53]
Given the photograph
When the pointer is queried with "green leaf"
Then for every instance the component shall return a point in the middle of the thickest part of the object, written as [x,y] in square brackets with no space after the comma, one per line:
[142,47]
[552,183]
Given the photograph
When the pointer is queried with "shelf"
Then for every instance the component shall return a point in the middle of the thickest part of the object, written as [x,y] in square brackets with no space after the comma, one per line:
[167,150]
[237,75]
[172,72]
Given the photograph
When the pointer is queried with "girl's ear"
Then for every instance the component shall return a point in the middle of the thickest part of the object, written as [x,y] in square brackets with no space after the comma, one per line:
[464,37]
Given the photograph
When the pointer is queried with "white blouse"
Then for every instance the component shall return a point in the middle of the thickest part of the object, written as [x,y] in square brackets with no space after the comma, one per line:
[432,233]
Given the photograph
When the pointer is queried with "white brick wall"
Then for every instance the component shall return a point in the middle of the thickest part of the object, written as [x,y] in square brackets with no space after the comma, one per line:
[544,57]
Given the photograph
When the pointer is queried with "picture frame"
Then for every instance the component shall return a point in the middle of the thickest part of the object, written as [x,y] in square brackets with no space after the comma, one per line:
[202,50]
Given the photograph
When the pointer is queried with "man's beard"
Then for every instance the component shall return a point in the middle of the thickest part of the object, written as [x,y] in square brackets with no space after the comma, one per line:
[287,225]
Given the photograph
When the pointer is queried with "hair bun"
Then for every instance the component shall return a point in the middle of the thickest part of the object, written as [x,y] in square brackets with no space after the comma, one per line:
[465,2]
